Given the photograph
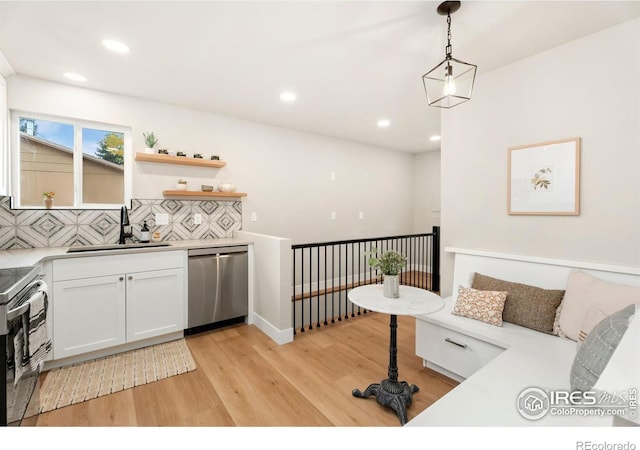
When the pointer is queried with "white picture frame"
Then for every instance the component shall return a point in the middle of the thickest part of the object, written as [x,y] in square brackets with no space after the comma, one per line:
[544,178]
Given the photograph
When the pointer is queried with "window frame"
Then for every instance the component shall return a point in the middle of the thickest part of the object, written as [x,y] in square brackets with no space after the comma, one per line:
[78,125]
[4,139]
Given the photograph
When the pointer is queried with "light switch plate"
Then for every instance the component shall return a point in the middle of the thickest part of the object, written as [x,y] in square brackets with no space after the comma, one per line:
[162,219]
[254,217]
[333,215]
[197,219]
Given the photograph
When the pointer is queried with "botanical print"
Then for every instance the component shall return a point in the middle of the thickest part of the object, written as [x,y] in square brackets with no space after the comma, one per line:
[542,179]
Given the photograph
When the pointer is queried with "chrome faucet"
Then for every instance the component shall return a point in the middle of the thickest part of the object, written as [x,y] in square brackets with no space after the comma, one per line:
[124,222]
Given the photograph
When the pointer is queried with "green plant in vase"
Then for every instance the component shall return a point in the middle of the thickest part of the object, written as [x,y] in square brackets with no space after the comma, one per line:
[390,263]
[151,140]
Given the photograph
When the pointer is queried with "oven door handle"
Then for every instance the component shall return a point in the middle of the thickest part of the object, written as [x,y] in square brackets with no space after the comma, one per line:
[23,308]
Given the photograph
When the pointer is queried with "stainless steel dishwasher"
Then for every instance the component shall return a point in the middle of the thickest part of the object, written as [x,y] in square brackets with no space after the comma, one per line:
[218,287]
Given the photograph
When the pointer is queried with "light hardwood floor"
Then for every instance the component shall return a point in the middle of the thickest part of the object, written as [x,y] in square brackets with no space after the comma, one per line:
[245,379]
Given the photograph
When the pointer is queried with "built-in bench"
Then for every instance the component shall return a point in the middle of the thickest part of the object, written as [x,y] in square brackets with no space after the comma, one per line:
[496,364]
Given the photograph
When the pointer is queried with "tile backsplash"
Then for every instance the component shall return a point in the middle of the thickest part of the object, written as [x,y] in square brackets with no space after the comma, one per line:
[29,228]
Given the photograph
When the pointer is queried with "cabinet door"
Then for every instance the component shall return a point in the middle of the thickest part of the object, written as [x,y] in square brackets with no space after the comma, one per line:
[89,315]
[155,303]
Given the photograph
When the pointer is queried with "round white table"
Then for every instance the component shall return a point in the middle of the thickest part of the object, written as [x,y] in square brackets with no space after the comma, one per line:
[390,392]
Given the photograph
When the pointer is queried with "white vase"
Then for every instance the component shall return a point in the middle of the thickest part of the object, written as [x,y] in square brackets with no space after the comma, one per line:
[149,151]
[391,286]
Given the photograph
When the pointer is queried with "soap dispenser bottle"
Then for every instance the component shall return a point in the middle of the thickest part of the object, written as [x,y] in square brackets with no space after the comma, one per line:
[144,232]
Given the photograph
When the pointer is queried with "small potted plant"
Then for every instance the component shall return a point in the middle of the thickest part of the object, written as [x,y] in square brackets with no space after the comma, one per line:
[47,197]
[390,263]
[151,140]
[182,185]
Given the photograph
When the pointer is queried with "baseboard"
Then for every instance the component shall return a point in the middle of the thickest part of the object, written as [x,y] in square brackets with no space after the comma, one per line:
[280,337]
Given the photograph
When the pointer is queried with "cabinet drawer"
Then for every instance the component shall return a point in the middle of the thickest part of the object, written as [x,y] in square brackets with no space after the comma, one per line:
[456,352]
[91,266]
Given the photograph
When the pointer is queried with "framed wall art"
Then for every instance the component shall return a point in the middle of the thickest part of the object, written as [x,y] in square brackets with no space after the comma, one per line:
[544,179]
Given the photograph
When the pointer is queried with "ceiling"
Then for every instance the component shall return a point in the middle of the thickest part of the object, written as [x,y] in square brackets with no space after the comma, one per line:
[350,63]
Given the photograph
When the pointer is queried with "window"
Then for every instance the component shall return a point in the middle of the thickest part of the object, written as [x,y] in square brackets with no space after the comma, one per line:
[83,163]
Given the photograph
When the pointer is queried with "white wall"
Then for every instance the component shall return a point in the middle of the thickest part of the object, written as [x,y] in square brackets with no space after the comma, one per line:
[270,285]
[285,173]
[587,88]
[426,191]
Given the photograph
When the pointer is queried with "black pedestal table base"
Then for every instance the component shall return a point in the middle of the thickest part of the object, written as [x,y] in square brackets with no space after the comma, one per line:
[390,392]
[393,394]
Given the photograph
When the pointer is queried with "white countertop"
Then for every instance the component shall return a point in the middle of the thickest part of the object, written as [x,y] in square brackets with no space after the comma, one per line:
[33,256]
[412,300]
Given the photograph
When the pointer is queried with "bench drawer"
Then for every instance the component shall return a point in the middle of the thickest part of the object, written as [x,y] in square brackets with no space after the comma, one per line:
[456,352]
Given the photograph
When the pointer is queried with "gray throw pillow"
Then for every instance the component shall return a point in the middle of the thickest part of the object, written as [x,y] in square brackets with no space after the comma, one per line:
[595,352]
[527,306]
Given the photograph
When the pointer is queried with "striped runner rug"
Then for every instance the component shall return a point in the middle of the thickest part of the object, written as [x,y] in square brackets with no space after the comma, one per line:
[91,379]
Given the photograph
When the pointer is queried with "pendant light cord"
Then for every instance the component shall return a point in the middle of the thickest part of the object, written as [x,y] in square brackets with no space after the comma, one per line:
[448,49]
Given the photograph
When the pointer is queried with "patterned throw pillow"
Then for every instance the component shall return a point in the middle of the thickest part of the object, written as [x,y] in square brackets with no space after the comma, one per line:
[486,306]
[598,347]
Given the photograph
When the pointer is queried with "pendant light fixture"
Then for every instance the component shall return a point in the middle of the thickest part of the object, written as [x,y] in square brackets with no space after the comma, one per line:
[451,82]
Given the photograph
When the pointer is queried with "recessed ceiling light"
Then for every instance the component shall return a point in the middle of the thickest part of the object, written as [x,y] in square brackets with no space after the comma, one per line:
[434,138]
[383,123]
[74,76]
[288,97]
[115,46]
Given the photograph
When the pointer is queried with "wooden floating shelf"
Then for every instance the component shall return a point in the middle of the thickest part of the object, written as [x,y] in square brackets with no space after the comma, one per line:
[203,194]
[184,160]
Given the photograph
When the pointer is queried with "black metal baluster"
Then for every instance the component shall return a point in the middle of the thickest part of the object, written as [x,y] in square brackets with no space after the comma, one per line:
[346,278]
[302,290]
[333,282]
[340,281]
[310,326]
[318,287]
[325,285]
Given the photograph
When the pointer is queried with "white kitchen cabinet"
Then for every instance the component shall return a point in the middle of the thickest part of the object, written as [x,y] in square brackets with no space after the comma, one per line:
[88,315]
[155,303]
[105,301]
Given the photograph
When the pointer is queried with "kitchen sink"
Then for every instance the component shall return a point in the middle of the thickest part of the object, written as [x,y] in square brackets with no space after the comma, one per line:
[94,248]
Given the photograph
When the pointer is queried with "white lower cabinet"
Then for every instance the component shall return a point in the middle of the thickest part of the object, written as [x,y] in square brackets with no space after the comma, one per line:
[88,315]
[155,303]
[103,301]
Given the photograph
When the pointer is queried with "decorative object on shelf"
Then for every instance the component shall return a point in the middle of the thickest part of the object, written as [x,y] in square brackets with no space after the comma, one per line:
[47,198]
[197,155]
[156,236]
[163,151]
[390,263]
[206,188]
[151,140]
[181,154]
[215,158]
[451,82]
[544,179]
[226,187]
[182,185]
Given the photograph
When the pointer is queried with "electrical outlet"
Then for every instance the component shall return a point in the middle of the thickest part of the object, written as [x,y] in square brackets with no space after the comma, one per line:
[254,217]
[333,215]
[360,215]
[333,175]
[197,219]
[162,219]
